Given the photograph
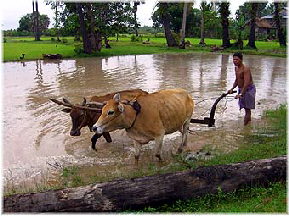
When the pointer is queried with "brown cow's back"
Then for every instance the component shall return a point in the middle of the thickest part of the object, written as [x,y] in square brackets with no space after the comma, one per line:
[167,109]
[125,94]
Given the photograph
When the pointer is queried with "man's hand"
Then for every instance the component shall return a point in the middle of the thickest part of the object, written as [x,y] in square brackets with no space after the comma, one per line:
[238,96]
[230,91]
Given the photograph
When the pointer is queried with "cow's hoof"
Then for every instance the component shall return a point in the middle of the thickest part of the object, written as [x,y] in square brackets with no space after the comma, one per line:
[179,151]
[159,157]
[93,147]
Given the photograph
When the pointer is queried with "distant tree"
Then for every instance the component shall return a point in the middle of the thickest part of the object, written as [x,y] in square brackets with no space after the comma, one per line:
[134,10]
[97,21]
[36,20]
[212,27]
[224,12]
[26,23]
[183,30]
[268,10]
[249,12]
[239,26]
[69,20]
[252,36]
[280,30]
[56,5]
[205,8]
[163,16]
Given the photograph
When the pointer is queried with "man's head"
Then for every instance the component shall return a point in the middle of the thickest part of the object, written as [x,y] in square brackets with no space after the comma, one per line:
[237,58]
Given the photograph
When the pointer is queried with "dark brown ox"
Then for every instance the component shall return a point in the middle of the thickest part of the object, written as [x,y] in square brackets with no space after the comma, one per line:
[149,117]
[88,113]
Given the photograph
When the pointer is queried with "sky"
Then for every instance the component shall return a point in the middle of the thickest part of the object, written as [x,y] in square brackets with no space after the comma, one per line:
[12,10]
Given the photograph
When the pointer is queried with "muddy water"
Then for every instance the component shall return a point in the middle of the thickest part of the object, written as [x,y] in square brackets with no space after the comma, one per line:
[36,140]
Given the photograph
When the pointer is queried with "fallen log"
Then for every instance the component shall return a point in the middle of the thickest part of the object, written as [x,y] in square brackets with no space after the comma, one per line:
[52,56]
[137,193]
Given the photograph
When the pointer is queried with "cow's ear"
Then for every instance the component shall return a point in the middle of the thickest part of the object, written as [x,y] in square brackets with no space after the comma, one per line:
[121,107]
[116,97]
[67,110]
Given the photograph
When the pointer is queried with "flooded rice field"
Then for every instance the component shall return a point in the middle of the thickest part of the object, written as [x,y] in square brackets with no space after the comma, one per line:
[36,140]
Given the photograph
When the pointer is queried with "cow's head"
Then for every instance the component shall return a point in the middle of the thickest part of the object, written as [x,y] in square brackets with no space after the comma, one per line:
[116,114]
[82,115]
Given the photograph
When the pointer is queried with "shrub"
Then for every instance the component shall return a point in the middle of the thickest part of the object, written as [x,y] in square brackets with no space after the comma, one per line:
[52,39]
[134,38]
[78,48]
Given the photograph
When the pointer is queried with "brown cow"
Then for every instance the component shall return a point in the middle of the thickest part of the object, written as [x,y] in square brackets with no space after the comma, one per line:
[149,117]
[87,114]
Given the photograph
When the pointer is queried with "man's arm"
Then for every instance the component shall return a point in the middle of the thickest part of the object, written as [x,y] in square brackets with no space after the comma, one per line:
[235,84]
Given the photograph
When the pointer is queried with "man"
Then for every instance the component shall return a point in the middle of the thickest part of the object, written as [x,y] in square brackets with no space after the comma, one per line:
[246,87]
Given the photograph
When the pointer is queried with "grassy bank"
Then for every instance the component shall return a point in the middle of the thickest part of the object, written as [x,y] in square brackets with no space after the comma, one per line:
[249,200]
[16,46]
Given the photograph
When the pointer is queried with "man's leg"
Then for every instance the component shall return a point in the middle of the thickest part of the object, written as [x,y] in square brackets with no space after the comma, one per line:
[247,117]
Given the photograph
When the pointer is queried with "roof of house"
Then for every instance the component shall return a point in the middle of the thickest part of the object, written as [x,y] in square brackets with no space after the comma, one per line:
[263,23]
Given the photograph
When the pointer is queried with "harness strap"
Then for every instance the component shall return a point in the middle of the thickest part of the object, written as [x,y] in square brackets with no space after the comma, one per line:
[137,107]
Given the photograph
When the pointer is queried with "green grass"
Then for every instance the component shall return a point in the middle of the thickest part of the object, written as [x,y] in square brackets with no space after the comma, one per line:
[12,51]
[248,200]
[15,46]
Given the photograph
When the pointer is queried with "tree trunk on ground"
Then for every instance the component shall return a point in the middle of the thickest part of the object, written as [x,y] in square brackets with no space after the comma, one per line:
[86,42]
[171,41]
[281,35]
[155,190]
[183,31]
[252,36]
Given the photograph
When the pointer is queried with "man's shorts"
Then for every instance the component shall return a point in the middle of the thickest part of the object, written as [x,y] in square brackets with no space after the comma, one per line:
[248,99]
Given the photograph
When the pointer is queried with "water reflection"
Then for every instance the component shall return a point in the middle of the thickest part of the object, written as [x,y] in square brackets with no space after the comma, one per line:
[36,130]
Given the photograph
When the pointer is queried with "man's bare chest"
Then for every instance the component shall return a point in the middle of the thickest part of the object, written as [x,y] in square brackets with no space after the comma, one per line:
[240,74]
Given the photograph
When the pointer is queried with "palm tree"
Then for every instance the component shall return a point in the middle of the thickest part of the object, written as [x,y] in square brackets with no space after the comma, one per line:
[183,31]
[224,11]
[204,7]
[134,10]
[36,20]
[281,35]
[252,37]
[165,19]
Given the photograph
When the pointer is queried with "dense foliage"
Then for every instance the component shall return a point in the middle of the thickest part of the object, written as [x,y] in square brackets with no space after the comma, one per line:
[27,25]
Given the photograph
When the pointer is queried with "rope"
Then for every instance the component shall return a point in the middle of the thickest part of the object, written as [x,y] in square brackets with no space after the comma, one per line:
[227,99]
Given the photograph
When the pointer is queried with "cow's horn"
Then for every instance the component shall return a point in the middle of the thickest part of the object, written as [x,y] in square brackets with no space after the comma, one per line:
[84,101]
[66,101]
[56,101]
[116,97]
[95,103]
